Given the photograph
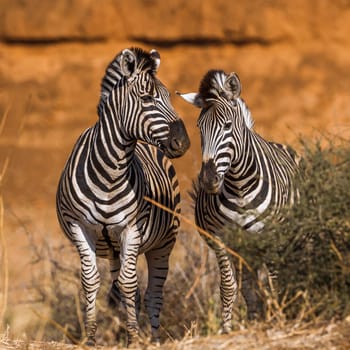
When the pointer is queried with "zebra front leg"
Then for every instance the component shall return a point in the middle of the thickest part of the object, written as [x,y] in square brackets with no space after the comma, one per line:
[90,279]
[114,295]
[158,265]
[228,288]
[127,279]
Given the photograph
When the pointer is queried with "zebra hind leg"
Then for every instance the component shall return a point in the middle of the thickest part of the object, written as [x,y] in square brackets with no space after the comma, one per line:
[115,298]
[90,279]
[158,265]
[252,296]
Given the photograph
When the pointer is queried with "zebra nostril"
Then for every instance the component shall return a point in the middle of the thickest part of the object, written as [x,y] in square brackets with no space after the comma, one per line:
[176,143]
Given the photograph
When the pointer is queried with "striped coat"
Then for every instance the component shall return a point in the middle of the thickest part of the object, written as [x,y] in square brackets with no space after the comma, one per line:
[101,202]
[244,179]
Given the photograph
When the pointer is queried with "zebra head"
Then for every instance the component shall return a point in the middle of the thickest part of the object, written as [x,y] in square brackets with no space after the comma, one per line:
[223,121]
[142,103]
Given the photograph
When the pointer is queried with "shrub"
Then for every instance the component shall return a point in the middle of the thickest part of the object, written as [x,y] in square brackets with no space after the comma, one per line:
[310,249]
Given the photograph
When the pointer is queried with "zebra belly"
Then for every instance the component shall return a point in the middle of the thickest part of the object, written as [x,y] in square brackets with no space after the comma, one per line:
[108,242]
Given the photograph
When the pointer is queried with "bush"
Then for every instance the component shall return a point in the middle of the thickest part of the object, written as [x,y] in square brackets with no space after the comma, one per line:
[310,250]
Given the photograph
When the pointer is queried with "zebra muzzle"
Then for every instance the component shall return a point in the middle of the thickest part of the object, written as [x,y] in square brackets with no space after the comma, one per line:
[209,179]
[178,141]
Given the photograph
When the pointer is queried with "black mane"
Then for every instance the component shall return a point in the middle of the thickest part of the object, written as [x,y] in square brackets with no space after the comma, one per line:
[211,85]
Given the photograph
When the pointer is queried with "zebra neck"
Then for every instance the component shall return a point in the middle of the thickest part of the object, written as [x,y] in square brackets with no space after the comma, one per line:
[249,173]
[111,152]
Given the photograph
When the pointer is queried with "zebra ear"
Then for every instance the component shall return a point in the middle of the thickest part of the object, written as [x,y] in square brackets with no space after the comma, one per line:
[232,86]
[127,62]
[193,98]
[156,58]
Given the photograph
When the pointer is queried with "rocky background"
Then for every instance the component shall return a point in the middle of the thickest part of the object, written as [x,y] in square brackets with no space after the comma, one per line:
[293,58]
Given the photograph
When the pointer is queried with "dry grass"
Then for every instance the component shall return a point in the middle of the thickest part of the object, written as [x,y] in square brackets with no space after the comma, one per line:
[4,261]
[4,271]
[324,336]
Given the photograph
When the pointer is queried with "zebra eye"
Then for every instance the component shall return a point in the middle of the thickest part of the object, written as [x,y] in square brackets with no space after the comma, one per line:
[227,125]
[234,102]
[147,98]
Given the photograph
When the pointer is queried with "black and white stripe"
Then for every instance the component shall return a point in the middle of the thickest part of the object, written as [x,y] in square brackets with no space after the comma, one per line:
[244,180]
[100,197]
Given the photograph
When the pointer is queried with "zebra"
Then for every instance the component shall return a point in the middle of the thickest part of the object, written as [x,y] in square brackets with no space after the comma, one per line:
[101,203]
[243,182]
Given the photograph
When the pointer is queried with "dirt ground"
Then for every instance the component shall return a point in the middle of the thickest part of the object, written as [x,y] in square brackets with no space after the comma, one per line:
[323,337]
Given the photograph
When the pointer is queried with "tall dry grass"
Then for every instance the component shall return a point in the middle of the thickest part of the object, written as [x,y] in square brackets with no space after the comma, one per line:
[4,271]
[4,166]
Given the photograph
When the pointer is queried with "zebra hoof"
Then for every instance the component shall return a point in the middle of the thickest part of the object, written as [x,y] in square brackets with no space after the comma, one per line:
[90,342]
[226,329]
[134,342]
[155,342]
[255,316]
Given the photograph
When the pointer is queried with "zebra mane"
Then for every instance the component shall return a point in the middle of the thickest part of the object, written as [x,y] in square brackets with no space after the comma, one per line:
[113,73]
[247,116]
[214,86]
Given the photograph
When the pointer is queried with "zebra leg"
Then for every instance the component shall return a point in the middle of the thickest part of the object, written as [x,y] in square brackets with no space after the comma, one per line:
[158,265]
[127,279]
[90,279]
[252,296]
[228,287]
[114,295]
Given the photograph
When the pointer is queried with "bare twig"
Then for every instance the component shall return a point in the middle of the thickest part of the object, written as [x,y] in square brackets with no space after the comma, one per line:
[4,264]
[3,245]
